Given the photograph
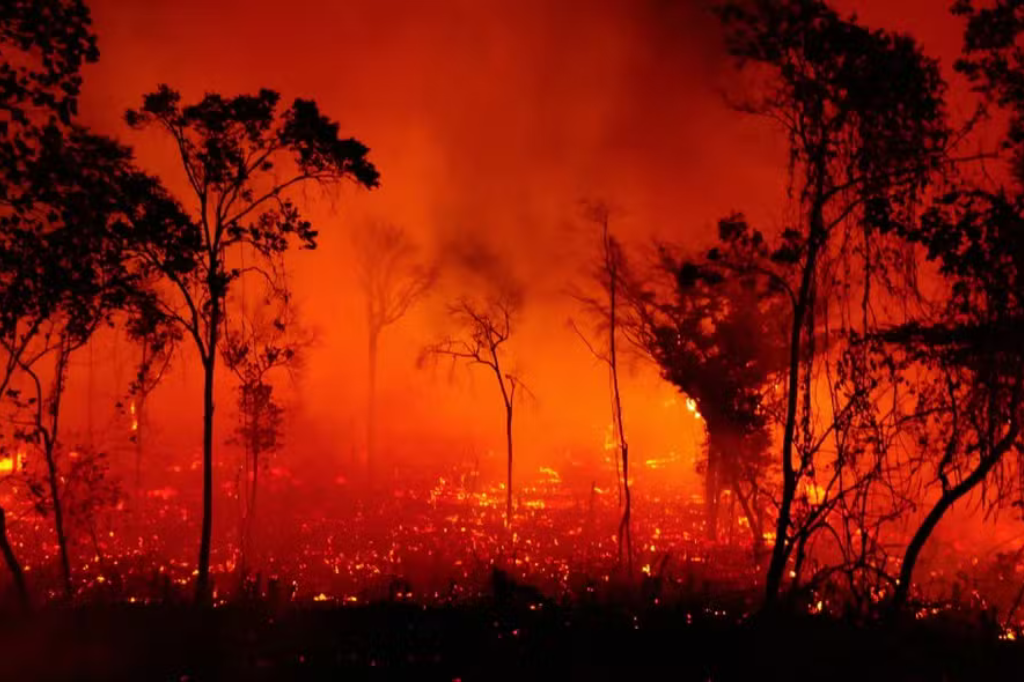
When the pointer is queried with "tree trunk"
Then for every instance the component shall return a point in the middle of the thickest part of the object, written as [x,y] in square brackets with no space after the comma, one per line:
[913,551]
[58,517]
[203,577]
[140,405]
[753,518]
[508,443]
[625,525]
[782,548]
[12,563]
[948,498]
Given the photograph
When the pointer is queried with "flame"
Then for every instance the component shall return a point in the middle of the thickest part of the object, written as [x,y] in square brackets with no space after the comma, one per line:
[135,416]
[552,474]
[9,464]
[815,493]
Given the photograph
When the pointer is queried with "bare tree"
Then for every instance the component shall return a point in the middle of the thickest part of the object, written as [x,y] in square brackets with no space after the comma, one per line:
[485,329]
[607,309]
[393,280]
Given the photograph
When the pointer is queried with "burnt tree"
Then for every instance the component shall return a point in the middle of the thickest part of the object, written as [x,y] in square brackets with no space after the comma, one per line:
[608,311]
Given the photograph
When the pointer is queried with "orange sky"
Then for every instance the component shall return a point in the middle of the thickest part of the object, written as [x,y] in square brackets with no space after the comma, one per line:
[489,120]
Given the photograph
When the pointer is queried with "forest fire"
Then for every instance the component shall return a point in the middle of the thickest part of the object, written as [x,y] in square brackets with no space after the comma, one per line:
[511,339]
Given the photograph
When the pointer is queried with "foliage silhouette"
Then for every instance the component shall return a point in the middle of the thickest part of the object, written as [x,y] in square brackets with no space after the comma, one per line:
[240,155]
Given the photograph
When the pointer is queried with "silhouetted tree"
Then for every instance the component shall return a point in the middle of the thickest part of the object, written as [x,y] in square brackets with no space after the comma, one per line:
[975,394]
[66,270]
[718,336]
[43,45]
[863,114]
[607,310]
[393,280]
[485,329]
[241,156]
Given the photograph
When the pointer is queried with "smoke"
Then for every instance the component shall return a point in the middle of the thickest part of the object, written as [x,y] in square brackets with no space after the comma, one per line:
[490,120]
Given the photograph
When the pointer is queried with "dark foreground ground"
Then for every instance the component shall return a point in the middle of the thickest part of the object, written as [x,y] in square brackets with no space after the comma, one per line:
[489,641]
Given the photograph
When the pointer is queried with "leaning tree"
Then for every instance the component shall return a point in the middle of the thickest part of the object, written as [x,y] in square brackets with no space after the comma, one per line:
[243,159]
[971,401]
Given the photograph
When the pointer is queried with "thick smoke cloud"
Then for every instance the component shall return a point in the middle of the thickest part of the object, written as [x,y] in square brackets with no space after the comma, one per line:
[490,121]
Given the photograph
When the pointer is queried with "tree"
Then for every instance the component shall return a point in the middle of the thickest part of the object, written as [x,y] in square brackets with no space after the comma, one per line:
[718,337]
[608,310]
[393,281]
[974,398]
[242,157]
[863,114]
[485,329]
[44,44]
[65,271]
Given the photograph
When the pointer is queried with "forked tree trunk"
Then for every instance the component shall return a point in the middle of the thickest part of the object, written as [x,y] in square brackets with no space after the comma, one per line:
[508,484]
[203,577]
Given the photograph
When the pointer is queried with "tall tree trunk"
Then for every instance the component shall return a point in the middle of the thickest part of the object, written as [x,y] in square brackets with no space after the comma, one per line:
[508,444]
[203,578]
[625,525]
[782,547]
[140,405]
[50,453]
[12,563]
[53,480]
